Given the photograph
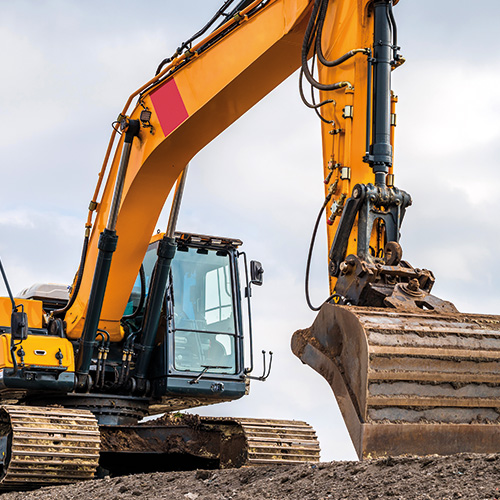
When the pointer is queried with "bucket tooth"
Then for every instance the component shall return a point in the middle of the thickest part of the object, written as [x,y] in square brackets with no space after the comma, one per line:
[409,382]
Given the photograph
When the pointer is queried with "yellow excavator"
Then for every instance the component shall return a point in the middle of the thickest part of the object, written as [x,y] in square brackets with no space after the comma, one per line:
[155,325]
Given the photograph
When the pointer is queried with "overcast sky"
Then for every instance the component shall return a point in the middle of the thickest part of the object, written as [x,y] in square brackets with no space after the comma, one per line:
[68,67]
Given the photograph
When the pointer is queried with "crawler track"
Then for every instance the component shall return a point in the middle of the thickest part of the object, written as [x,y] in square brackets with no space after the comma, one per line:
[44,446]
[279,441]
[185,441]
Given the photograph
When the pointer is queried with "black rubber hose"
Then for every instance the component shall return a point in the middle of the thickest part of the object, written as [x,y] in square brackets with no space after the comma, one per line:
[242,5]
[71,301]
[203,30]
[319,51]
[305,101]
[142,276]
[316,110]
[306,46]
[311,28]
[309,256]
[338,61]
[9,291]
[313,105]
[394,32]
[200,50]
[319,27]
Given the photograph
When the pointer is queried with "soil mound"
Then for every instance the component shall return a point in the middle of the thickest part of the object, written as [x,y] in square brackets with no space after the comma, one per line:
[474,477]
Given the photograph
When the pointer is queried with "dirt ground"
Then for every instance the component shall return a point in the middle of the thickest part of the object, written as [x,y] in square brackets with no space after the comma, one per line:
[431,478]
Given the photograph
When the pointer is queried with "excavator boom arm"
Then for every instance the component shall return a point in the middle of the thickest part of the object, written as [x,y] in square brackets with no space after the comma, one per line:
[200,94]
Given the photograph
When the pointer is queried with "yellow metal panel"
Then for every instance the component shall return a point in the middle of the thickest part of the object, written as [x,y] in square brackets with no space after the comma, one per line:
[32,307]
[5,356]
[40,350]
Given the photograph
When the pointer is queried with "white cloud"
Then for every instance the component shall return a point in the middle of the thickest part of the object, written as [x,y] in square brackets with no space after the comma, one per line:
[39,247]
[17,219]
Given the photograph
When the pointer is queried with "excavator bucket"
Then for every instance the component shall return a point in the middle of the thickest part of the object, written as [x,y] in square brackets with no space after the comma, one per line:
[409,382]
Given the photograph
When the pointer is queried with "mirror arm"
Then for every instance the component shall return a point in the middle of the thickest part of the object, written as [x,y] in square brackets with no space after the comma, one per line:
[248,294]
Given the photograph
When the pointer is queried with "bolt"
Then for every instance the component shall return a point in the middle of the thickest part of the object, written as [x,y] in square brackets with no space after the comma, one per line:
[414,285]
[346,267]
[332,268]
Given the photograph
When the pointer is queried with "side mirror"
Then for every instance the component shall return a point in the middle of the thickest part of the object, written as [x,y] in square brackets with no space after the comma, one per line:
[256,273]
[19,325]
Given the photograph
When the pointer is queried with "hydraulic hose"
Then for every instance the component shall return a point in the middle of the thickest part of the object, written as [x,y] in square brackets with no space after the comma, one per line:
[319,51]
[311,32]
[203,30]
[305,101]
[309,256]
[60,312]
[341,59]
[142,277]
[313,105]
[9,291]
[394,32]
[312,25]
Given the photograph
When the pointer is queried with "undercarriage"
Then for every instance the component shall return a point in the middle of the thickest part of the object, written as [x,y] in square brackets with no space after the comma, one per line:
[53,445]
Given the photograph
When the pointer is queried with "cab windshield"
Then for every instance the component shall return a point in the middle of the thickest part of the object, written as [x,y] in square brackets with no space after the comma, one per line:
[204,320]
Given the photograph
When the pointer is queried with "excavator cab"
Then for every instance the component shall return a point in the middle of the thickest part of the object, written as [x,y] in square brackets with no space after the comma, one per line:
[199,351]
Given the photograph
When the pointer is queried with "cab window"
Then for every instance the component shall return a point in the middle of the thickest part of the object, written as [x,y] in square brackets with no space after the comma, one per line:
[204,320]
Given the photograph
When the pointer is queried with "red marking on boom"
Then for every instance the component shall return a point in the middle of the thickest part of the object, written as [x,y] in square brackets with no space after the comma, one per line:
[169,106]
